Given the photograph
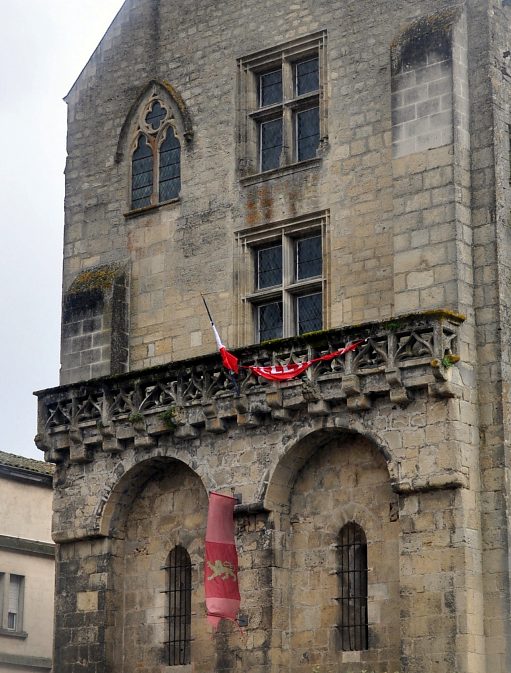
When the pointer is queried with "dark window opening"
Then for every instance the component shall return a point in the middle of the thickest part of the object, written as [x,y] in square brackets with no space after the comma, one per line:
[142,174]
[307,133]
[309,313]
[269,266]
[155,116]
[271,144]
[307,76]
[270,320]
[156,159]
[309,258]
[270,88]
[170,167]
[179,607]
[353,626]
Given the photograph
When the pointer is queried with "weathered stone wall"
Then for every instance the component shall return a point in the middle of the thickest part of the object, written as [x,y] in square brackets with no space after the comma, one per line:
[177,251]
[426,228]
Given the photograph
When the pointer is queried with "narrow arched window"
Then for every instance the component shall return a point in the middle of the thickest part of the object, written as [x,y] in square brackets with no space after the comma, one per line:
[142,174]
[156,158]
[170,166]
[179,606]
[353,626]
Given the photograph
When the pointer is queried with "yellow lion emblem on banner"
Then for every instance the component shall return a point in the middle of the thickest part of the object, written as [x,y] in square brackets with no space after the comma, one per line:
[222,569]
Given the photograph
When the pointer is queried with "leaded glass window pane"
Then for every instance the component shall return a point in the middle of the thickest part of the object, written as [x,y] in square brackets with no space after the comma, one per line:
[270,320]
[269,266]
[142,174]
[307,133]
[309,311]
[309,261]
[155,116]
[170,167]
[270,88]
[271,144]
[353,626]
[307,76]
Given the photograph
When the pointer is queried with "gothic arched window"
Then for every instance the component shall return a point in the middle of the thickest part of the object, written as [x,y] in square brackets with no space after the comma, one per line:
[179,606]
[156,158]
[352,549]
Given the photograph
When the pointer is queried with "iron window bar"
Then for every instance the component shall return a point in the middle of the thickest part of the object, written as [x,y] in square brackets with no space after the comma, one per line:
[179,607]
[353,571]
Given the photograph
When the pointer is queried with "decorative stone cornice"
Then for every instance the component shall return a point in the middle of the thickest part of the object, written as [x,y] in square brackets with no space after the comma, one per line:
[193,396]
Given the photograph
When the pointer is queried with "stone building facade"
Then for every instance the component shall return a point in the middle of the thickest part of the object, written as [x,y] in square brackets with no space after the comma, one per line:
[322,172]
[27,565]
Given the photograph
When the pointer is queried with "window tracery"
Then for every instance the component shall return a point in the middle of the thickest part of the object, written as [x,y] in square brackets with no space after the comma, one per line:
[156,157]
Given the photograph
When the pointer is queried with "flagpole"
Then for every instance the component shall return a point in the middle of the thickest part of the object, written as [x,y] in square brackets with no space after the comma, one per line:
[223,352]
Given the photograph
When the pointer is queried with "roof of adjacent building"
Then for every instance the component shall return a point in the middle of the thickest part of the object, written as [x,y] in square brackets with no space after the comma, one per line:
[14,465]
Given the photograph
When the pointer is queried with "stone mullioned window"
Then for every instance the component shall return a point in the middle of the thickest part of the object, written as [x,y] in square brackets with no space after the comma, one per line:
[284,276]
[282,107]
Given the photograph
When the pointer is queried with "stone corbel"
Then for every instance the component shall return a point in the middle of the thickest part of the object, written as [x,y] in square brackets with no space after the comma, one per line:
[78,451]
[110,442]
[214,424]
[443,387]
[275,400]
[244,414]
[355,399]
[398,393]
[184,430]
[142,438]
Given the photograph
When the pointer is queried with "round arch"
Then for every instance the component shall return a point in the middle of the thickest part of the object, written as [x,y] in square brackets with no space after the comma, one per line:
[297,452]
[128,486]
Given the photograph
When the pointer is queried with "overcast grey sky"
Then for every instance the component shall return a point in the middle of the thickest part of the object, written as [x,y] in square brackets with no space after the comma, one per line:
[45,44]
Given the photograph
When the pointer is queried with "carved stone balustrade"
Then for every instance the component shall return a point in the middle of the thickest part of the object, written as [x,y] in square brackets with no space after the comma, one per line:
[197,395]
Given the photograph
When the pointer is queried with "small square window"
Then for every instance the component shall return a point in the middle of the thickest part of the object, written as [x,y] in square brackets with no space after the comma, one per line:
[269,266]
[270,88]
[307,76]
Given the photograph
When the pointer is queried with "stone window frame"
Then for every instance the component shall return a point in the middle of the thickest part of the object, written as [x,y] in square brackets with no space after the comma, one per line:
[287,232]
[180,119]
[251,115]
[5,629]
[155,138]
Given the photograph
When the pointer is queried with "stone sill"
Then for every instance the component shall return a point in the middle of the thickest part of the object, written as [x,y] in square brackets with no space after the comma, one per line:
[280,172]
[13,634]
[148,209]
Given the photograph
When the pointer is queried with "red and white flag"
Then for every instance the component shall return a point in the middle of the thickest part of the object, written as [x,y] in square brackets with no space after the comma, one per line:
[291,371]
[221,562]
[229,360]
[273,372]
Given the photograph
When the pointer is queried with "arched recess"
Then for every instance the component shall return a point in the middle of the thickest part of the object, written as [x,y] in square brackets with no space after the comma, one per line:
[294,456]
[118,499]
[329,479]
[158,506]
[168,94]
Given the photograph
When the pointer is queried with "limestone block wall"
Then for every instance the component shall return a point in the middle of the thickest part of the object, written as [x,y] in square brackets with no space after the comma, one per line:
[95,324]
[189,246]
[411,183]
[301,479]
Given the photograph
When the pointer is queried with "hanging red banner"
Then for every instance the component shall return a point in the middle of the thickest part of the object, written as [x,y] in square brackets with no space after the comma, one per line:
[221,562]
